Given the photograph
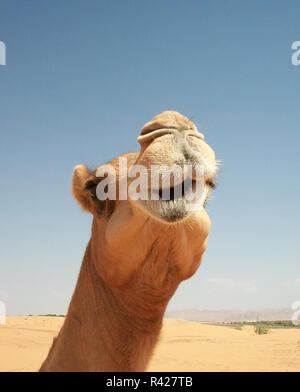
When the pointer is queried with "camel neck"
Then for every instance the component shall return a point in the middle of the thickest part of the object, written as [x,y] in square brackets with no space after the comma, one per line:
[102,332]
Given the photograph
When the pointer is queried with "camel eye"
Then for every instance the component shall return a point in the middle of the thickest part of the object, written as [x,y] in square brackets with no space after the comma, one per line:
[211,183]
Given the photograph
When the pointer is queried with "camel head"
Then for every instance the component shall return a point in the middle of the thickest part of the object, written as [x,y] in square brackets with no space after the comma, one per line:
[127,229]
[169,141]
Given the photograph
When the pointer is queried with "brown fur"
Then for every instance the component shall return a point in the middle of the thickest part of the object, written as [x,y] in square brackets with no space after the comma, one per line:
[132,266]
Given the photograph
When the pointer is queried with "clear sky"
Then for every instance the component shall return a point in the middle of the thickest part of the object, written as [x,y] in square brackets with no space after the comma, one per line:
[81,79]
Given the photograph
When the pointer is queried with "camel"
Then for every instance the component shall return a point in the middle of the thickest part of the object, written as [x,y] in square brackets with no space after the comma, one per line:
[138,254]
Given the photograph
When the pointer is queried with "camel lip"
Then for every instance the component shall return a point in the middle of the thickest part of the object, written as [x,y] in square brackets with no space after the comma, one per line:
[166,211]
[174,218]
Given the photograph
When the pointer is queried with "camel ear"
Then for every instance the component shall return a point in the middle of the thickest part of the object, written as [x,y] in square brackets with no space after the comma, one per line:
[84,185]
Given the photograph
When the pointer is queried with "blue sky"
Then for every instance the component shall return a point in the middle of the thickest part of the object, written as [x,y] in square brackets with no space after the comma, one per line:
[81,79]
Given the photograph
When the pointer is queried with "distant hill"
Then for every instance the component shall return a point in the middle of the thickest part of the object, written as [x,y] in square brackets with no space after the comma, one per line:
[231,315]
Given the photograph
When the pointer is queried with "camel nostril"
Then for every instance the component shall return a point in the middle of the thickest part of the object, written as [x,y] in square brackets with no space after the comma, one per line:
[187,156]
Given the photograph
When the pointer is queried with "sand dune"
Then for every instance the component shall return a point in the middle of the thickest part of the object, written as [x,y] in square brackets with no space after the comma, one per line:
[184,346]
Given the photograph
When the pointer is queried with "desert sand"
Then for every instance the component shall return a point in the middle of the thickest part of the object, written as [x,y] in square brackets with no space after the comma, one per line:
[184,346]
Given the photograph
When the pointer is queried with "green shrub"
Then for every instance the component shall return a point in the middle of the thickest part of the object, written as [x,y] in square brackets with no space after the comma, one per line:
[261,330]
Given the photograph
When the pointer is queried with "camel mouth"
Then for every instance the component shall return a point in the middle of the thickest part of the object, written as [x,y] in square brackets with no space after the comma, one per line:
[172,204]
[175,192]
[169,211]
